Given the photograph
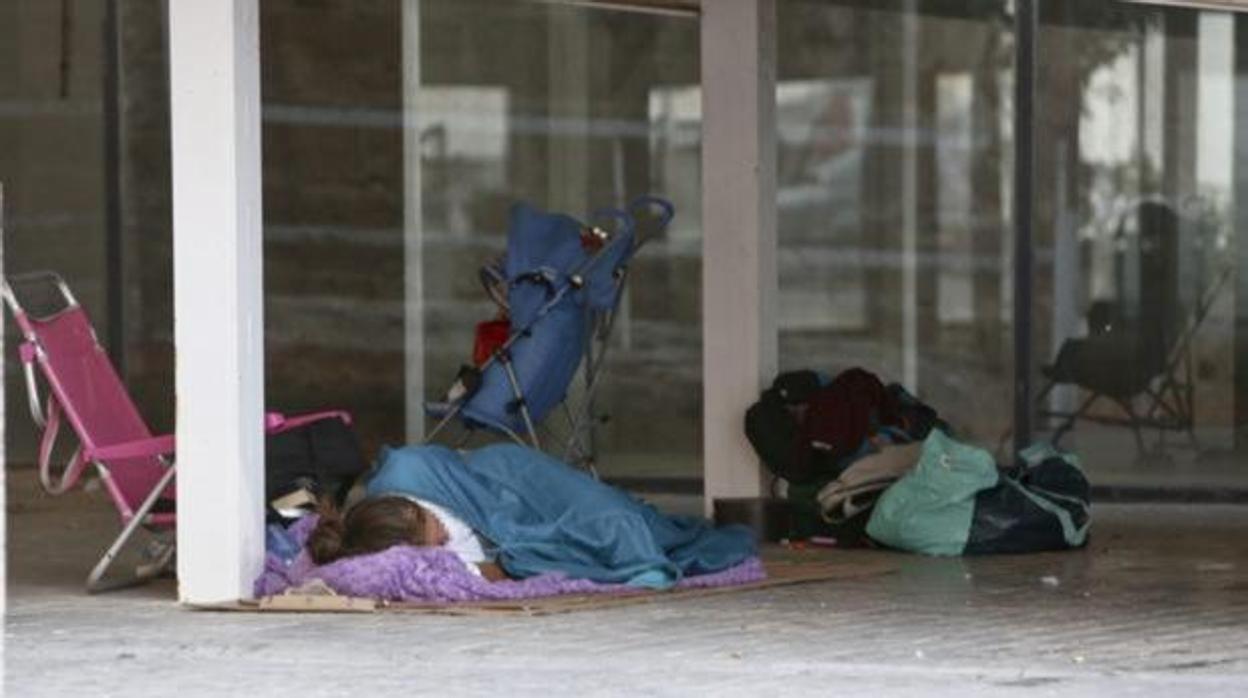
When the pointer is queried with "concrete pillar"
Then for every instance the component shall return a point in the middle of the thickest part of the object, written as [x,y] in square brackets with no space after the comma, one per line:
[739,283]
[910,116]
[1179,117]
[1215,142]
[1240,200]
[218,296]
[1068,303]
[413,230]
[889,227]
[568,65]
[4,534]
[987,214]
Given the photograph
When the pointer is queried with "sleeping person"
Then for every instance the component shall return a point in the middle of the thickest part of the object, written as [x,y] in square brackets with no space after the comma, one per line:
[510,511]
[378,523]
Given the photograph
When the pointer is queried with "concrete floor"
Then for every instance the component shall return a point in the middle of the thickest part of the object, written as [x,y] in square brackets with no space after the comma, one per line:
[1158,605]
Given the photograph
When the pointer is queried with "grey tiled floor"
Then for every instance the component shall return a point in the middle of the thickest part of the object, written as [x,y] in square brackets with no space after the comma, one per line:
[1158,605]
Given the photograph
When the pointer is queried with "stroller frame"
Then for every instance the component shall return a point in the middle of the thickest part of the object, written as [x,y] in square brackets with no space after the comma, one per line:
[579,447]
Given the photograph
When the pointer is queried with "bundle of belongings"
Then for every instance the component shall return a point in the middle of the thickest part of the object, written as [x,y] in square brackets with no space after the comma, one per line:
[870,463]
[307,457]
[551,527]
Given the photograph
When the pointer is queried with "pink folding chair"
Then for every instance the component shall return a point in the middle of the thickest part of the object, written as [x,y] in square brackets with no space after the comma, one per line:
[84,390]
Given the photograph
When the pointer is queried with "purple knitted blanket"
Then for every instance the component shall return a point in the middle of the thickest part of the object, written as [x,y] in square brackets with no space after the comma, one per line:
[405,573]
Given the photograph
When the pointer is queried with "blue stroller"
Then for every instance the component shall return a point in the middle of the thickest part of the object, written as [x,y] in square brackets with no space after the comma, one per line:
[559,285]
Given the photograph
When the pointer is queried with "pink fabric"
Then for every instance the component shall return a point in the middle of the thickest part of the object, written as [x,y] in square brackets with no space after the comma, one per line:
[276,422]
[155,446]
[51,428]
[95,402]
[87,393]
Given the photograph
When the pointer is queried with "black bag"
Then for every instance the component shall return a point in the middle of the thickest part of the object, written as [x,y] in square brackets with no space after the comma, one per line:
[773,428]
[806,430]
[321,457]
[1044,507]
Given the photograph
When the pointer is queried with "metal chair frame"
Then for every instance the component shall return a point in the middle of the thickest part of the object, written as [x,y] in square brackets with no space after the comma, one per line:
[1170,404]
[47,419]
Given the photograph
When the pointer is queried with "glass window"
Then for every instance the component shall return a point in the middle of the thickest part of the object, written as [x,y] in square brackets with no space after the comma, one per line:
[52,166]
[894,171]
[1137,291]
[565,107]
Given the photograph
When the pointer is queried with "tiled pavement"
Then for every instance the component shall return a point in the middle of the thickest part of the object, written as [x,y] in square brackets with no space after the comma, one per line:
[1158,605]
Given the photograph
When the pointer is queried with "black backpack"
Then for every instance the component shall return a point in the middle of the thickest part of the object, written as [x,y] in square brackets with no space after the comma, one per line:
[773,428]
[321,457]
[777,426]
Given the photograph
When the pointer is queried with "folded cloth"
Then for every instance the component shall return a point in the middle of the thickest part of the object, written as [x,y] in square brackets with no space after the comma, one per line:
[857,488]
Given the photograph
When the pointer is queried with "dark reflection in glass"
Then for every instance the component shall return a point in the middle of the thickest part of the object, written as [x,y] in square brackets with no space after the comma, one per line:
[565,107]
[894,180]
[1136,280]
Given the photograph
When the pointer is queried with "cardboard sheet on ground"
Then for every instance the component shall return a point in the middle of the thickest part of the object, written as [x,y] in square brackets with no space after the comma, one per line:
[779,573]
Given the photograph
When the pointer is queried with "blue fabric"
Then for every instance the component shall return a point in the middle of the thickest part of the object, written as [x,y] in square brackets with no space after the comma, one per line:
[602,292]
[931,509]
[545,516]
[544,243]
[543,251]
[544,361]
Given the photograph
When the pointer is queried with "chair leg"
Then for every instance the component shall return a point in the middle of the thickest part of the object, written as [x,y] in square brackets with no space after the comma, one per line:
[94,580]
[1044,392]
[1070,419]
[1135,424]
[1191,435]
[1188,400]
[443,422]
[464,438]
[1177,410]
[160,561]
[524,408]
[576,441]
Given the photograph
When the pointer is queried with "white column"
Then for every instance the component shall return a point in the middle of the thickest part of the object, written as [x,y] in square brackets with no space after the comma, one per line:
[910,198]
[218,292]
[1067,282]
[413,229]
[4,461]
[1215,180]
[568,67]
[739,283]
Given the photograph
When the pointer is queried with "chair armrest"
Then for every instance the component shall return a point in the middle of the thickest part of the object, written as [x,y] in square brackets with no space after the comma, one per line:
[276,422]
[155,446]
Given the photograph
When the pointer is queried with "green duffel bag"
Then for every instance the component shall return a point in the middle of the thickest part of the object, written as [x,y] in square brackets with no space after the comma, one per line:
[957,502]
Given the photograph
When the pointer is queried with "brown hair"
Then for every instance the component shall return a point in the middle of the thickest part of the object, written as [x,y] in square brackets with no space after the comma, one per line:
[370,526]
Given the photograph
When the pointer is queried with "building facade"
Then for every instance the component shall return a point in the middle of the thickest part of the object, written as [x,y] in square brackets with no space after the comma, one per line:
[846,176]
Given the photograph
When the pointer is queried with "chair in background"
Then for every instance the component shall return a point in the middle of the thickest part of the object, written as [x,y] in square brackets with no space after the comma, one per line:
[1140,358]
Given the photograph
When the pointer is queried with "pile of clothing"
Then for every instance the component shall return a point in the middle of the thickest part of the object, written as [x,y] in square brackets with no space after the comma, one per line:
[869,463]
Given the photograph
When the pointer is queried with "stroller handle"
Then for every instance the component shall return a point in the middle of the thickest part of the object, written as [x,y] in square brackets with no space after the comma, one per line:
[651,201]
[608,213]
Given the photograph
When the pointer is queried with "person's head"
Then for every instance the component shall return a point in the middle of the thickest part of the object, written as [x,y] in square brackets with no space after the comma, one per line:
[372,525]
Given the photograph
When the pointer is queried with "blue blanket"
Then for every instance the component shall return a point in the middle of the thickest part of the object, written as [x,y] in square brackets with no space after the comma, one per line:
[545,516]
